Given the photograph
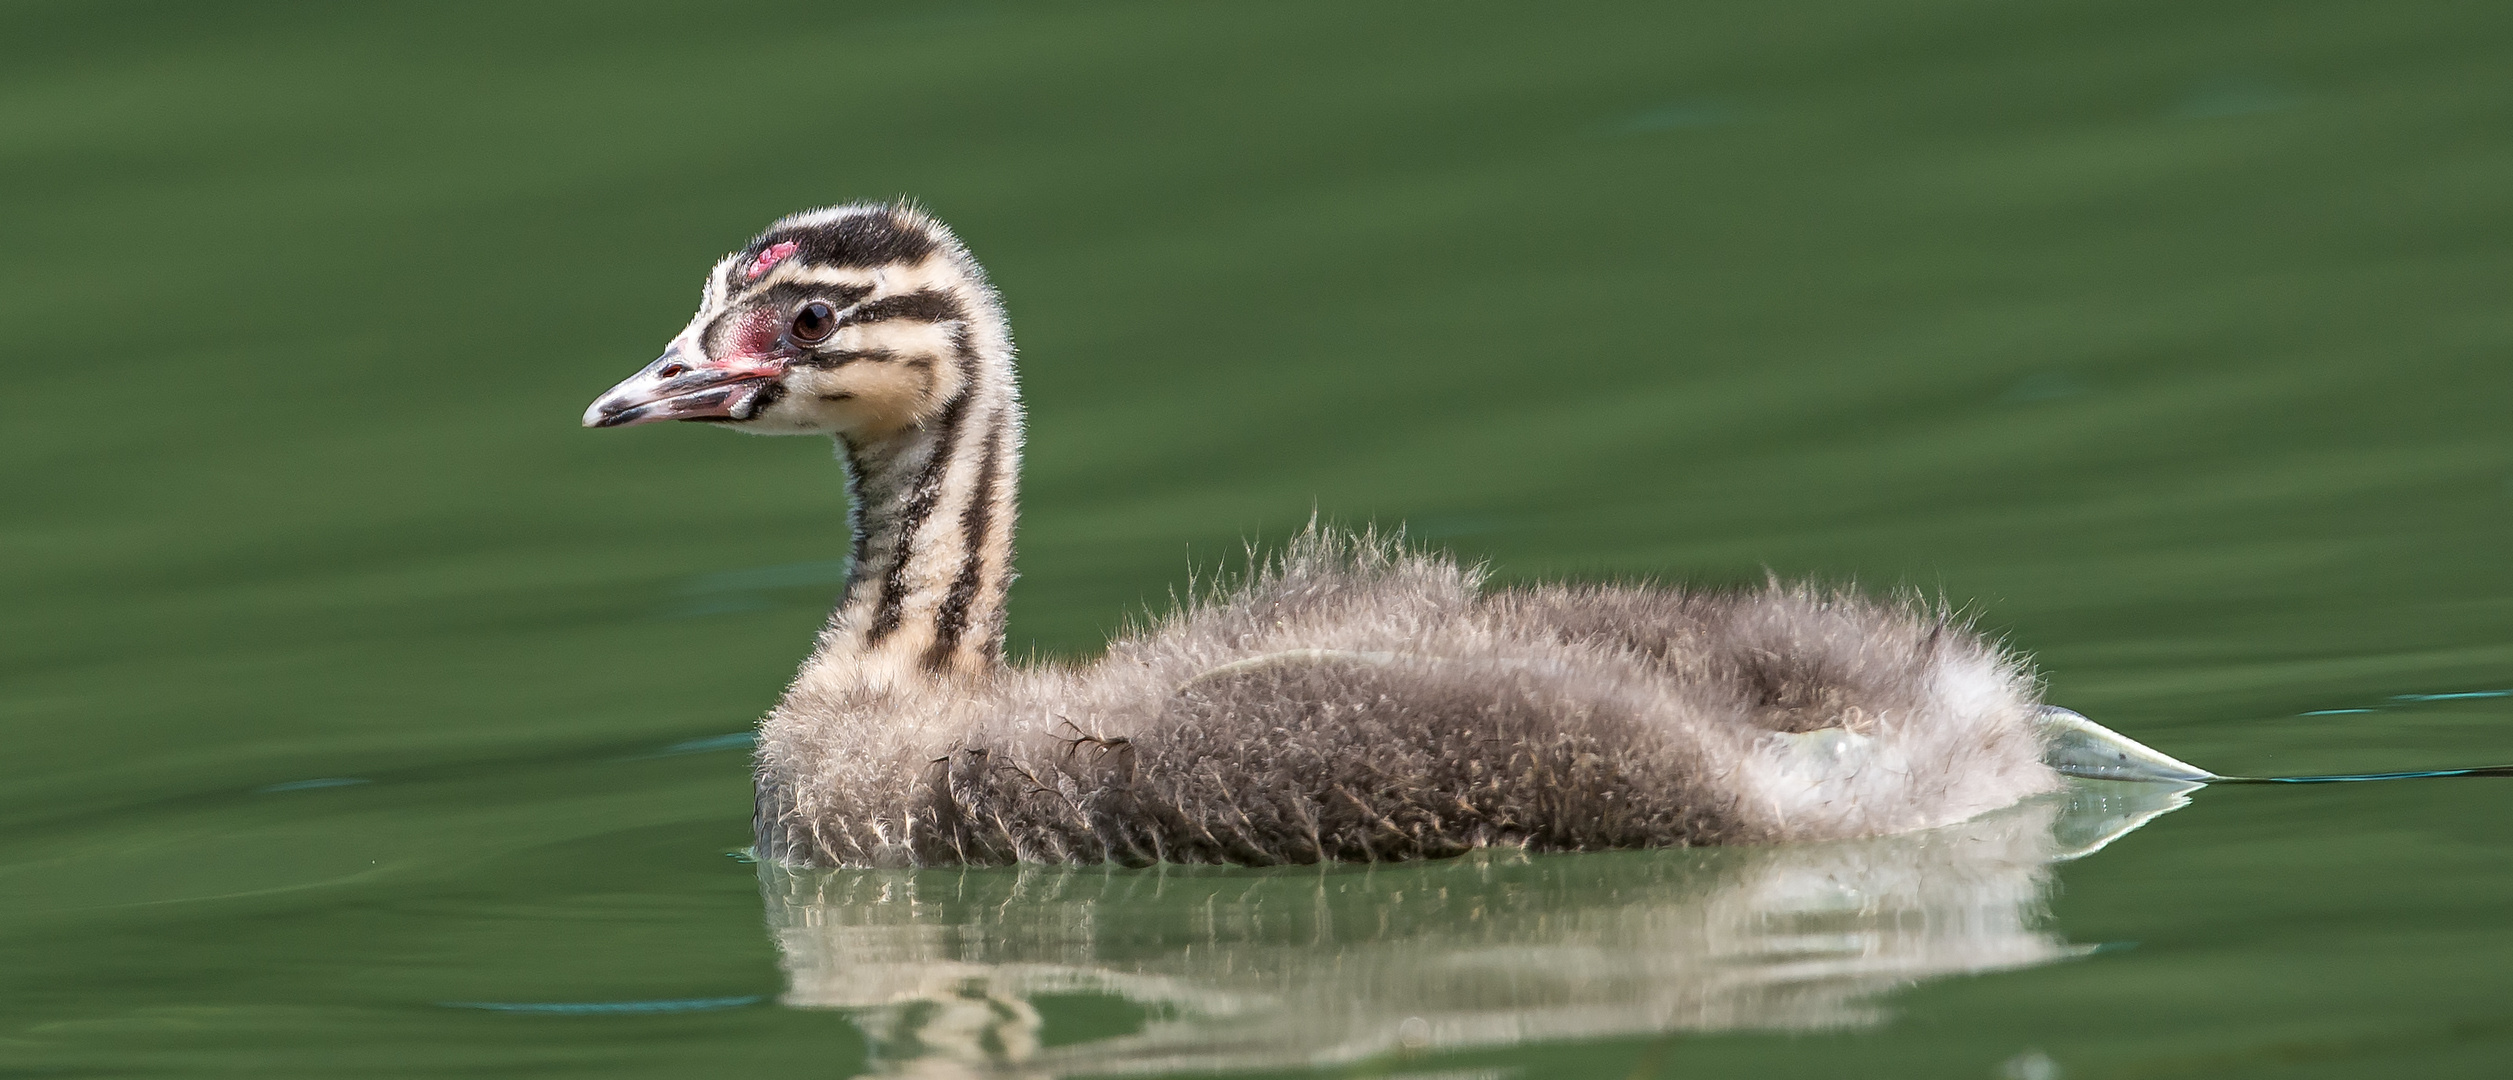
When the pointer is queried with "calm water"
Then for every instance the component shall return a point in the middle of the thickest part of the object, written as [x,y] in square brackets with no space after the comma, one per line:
[365,717]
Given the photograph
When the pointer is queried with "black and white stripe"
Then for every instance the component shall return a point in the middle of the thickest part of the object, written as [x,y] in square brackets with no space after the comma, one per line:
[933,503]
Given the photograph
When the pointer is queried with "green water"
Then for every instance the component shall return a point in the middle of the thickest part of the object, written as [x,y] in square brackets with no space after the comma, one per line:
[2173,337]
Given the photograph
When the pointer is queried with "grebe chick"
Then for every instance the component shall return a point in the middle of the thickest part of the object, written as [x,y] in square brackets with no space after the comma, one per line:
[1352,700]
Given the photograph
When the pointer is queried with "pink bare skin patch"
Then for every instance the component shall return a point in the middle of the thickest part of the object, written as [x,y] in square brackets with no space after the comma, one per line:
[756,339]
[775,254]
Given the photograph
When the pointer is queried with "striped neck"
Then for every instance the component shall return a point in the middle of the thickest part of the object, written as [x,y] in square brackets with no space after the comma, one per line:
[932,516]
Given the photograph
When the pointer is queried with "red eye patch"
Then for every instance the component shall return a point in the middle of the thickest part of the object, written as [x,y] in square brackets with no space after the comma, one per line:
[775,254]
[758,334]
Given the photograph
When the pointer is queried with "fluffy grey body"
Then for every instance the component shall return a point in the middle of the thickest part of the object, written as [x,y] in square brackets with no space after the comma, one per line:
[1351,700]
[1358,702]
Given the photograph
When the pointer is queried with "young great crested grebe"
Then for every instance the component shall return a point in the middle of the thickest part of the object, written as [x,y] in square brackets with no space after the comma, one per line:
[1352,700]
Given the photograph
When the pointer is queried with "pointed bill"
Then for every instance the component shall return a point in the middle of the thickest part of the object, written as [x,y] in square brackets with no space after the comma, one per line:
[672,389]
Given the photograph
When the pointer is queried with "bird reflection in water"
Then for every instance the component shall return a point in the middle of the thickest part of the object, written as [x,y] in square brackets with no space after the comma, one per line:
[946,971]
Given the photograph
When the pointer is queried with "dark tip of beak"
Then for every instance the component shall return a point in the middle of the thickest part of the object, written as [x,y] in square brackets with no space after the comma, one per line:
[598,417]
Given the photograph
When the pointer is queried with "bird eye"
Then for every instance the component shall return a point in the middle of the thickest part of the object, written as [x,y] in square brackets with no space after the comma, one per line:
[814,323]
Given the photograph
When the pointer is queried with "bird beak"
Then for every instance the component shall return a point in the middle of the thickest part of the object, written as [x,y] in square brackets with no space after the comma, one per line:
[700,390]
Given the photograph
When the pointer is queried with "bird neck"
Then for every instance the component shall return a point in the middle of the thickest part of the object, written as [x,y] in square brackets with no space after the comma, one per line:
[932,510]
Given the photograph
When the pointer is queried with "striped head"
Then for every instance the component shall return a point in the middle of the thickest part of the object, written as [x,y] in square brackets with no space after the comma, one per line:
[858,321]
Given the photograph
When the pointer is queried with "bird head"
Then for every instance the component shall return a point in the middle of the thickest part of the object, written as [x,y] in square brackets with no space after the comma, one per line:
[856,321]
